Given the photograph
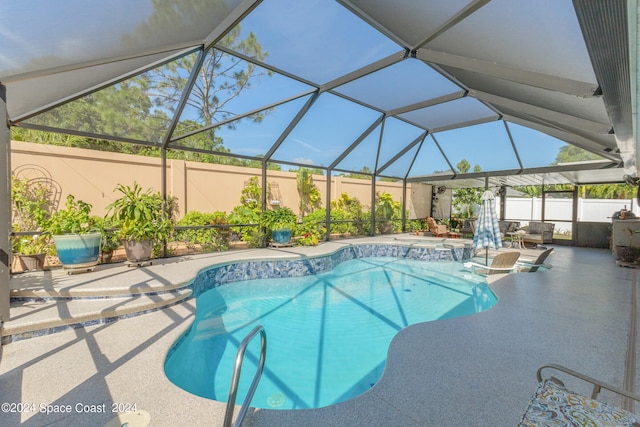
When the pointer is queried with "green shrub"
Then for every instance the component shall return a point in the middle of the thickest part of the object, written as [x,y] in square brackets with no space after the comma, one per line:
[350,209]
[312,228]
[253,236]
[208,239]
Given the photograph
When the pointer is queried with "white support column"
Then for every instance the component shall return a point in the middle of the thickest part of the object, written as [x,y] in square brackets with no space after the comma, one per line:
[633,13]
[5,212]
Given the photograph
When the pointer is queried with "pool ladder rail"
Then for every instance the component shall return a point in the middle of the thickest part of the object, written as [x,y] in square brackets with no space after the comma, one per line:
[235,377]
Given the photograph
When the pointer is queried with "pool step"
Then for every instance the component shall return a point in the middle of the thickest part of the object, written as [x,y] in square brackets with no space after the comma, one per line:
[106,280]
[32,317]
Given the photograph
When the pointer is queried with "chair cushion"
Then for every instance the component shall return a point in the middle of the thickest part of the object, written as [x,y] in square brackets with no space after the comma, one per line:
[554,405]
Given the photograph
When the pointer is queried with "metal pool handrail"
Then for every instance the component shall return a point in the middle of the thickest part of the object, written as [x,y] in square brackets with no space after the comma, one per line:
[597,384]
[235,377]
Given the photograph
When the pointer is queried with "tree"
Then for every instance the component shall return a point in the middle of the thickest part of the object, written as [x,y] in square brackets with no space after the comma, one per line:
[609,191]
[221,79]
[141,107]
[530,190]
[571,154]
[464,199]
[365,174]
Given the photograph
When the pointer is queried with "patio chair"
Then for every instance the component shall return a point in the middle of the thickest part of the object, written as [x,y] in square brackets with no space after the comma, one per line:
[502,263]
[530,267]
[553,404]
[437,230]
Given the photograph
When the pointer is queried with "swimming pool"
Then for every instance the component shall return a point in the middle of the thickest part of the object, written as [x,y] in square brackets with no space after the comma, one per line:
[328,334]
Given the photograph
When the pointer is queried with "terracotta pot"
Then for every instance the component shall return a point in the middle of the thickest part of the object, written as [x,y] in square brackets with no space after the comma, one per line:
[106,256]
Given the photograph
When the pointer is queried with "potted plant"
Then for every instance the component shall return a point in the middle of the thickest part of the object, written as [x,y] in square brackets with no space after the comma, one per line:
[110,241]
[75,234]
[141,221]
[30,251]
[278,224]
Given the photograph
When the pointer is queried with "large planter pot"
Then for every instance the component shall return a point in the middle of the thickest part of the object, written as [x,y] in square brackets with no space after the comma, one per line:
[282,236]
[30,262]
[78,250]
[138,250]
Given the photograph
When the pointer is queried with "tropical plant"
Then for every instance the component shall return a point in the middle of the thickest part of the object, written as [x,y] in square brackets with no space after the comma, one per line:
[75,218]
[308,192]
[140,215]
[385,207]
[386,210]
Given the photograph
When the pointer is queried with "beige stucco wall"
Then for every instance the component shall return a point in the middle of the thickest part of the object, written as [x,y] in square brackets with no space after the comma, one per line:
[93,175]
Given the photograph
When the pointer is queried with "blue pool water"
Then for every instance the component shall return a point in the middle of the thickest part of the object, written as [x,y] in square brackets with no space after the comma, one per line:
[328,334]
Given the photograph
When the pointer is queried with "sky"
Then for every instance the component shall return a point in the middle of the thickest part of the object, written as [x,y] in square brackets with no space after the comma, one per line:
[321,41]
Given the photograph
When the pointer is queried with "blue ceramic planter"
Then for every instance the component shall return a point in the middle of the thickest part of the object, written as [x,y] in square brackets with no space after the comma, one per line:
[281,236]
[78,250]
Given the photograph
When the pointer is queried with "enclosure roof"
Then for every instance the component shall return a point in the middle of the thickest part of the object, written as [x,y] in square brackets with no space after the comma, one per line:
[403,88]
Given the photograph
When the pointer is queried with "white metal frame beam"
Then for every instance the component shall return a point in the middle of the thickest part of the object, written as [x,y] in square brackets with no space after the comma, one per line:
[530,78]
[5,209]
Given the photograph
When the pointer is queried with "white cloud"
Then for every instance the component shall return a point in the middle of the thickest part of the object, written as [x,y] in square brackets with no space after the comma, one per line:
[309,146]
[303,161]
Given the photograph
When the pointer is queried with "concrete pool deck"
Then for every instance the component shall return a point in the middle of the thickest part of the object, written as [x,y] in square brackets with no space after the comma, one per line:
[475,370]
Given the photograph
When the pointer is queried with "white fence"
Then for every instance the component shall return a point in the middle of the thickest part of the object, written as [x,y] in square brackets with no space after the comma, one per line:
[589,210]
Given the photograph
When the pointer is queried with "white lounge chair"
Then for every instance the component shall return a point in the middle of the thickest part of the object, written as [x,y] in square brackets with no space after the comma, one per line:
[531,267]
[502,263]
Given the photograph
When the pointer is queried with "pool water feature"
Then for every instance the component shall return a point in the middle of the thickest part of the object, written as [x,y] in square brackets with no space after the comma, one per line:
[328,334]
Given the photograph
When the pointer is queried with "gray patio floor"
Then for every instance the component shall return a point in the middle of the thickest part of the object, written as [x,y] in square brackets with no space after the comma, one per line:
[477,370]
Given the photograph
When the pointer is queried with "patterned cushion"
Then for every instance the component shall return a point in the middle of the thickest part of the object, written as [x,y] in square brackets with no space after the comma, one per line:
[554,405]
